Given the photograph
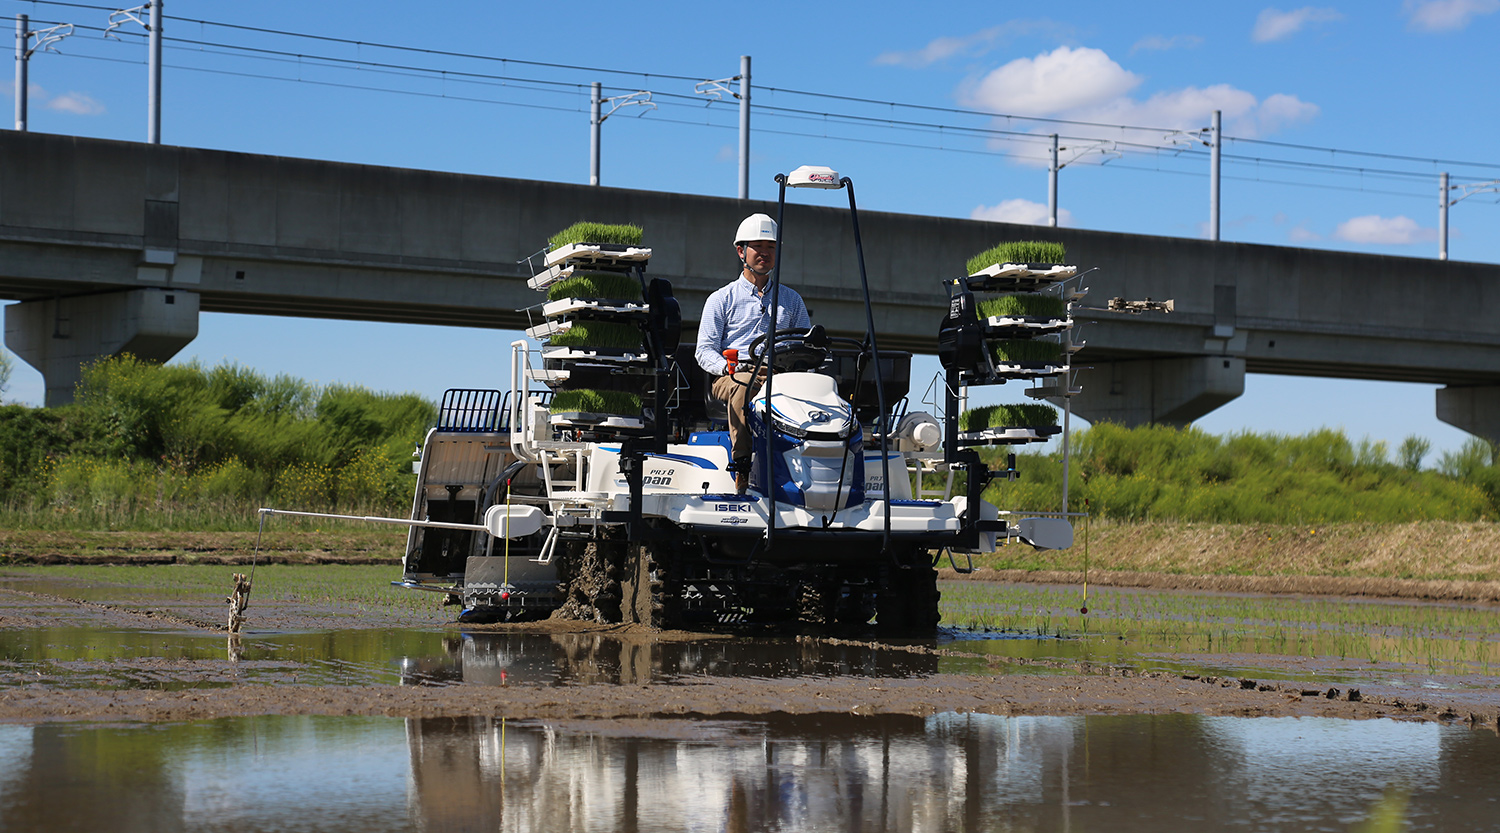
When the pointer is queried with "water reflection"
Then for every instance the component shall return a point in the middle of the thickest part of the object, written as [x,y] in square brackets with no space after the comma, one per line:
[508,658]
[948,772]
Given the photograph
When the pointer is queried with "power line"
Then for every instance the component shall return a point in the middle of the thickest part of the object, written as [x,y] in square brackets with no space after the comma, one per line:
[993,133]
[786,90]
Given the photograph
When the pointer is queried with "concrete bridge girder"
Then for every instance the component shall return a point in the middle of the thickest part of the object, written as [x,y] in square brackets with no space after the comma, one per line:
[57,336]
[1172,391]
[1473,409]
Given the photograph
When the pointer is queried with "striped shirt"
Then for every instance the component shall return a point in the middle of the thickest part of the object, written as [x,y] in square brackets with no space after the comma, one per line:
[738,314]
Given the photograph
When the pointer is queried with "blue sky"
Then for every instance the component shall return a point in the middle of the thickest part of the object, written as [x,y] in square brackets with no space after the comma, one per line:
[1408,78]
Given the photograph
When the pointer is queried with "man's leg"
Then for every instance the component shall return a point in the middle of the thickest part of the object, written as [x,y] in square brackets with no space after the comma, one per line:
[733,391]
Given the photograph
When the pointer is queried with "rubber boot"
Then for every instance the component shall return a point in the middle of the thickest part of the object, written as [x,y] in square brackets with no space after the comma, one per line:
[741,469]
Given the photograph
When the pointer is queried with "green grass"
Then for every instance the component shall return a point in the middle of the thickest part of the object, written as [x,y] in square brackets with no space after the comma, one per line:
[1029,305]
[596,285]
[596,402]
[1022,350]
[1135,626]
[587,232]
[598,334]
[1024,251]
[999,416]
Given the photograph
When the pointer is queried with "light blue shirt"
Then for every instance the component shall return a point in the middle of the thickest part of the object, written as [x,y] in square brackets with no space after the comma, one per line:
[738,314]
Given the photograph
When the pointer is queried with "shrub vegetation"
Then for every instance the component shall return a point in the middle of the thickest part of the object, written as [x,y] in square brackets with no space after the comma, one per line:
[152,445]
[1184,474]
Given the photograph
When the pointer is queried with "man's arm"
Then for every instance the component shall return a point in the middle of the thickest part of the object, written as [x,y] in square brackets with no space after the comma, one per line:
[710,352]
[800,318]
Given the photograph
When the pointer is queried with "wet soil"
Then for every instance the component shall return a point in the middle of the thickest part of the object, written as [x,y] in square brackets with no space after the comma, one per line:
[1351,586]
[988,684]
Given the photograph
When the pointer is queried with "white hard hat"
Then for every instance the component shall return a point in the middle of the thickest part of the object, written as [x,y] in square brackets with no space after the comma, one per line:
[755,227]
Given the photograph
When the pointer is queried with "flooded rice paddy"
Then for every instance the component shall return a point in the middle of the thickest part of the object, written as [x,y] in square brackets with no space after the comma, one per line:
[821,772]
[122,708]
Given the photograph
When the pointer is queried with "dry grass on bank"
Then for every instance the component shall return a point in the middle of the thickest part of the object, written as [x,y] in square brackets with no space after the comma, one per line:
[280,544]
[1424,560]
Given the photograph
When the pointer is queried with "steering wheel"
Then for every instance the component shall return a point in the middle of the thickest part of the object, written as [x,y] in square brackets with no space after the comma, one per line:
[792,349]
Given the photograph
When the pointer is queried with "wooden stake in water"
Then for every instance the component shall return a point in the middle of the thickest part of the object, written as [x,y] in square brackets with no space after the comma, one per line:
[1085,609]
[238,601]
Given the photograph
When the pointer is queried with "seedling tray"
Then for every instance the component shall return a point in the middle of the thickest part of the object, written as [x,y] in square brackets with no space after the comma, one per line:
[597,254]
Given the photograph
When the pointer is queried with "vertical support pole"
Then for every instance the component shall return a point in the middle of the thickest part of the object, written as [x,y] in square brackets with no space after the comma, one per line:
[1052,186]
[1442,216]
[1216,134]
[744,127]
[153,94]
[595,107]
[22,36]
[1067,391]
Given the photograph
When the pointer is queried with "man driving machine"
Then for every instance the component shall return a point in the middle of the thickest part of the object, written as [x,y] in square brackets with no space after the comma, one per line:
[736,315]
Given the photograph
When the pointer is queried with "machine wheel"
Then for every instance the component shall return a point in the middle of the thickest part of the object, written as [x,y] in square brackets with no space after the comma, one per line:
[643,588]
[591,573]
[815,602]
[907,602]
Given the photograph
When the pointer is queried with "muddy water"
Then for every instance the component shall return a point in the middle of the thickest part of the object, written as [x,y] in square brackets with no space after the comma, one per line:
[122,658]
[824,772]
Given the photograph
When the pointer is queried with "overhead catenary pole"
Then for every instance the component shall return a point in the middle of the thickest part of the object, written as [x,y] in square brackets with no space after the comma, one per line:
[1052,186]
[595,106]
[153,95]
[1443,216]
[744,127]
[22,36]
[1216,135]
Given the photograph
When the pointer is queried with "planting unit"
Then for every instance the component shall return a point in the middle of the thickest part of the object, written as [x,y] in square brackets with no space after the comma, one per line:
[598,484]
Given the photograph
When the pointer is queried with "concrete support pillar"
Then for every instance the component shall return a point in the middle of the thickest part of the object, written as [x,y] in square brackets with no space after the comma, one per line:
[1473,409]
[1160,391]
[58,335]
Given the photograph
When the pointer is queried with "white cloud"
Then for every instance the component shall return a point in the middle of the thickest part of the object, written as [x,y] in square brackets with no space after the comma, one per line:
[35,91]
[79,104]
[1086,85]
[1300,233]
[1161,43]
[1053,82]
[1275,24]
[1020,211]
[975,44]
[1445,15]
[1373,228]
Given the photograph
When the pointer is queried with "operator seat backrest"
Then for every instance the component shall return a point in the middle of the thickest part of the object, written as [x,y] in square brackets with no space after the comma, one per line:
[700,384]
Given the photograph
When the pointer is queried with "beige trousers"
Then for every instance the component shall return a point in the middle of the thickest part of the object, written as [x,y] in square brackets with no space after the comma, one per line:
[734,390]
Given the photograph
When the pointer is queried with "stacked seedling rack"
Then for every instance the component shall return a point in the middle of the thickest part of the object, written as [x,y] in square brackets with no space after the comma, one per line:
[1009,319]
[595,358]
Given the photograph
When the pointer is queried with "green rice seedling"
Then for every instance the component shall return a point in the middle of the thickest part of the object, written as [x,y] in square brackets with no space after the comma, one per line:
[598,334]
[996,416]
[1024,251]
[1029,305]
[596,402]
[595,285]
[587,232]
[1023,350]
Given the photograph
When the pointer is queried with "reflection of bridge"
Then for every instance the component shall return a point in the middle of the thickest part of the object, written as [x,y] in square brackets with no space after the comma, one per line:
[837,771]
[116,246]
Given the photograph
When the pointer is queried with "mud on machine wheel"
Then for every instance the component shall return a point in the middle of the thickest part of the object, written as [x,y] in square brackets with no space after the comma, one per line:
[644,595]
[907,601]
[589,572]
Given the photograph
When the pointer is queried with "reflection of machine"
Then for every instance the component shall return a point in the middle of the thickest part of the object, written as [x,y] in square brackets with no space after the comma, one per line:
[514,658]
[785,772]
[555,496]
